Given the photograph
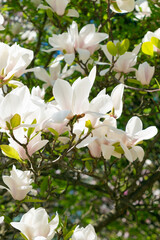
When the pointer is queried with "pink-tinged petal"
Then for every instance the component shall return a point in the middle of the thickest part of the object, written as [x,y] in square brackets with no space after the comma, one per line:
[84,54]
[146,134]
[139,152]
[62,92]
[134,125]
[95,149]
[37,146]
[107,151]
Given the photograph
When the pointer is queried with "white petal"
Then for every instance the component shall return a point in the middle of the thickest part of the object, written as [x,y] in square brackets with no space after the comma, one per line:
[62,92]
[134,125]
[146,134]
[107,151]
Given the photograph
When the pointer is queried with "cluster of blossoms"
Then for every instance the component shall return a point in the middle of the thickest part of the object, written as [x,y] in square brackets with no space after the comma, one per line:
[24,116]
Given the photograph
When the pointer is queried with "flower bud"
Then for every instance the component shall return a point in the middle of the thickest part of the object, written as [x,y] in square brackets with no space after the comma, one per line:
[34,225]
[145,73]
[18,183]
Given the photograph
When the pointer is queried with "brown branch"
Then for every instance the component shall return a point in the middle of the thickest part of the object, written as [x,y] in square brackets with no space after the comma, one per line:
[124,203]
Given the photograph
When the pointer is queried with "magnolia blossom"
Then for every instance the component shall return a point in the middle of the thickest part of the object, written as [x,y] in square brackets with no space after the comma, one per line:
[86,42]
[18,101]
[19,183]
[1,22]
[87,233]
[33,145]
[35,226]
[142,8]
[74,98]
[54,73]
[124,6]
[59,7]
[15,60]
[145,73]
[133,136]
[125,62]
[109,141]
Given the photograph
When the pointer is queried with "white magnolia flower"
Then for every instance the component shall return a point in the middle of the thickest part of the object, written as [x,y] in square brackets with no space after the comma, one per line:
[87,233]
[18,101]
[1,22]
[54,73]
[15,60]
[124,5]
[33,145]
[74,98]
[142,8]
[35,226]
[145,73]
[133,136]
[59,7]
[123,63]
[19,183]
[86,42]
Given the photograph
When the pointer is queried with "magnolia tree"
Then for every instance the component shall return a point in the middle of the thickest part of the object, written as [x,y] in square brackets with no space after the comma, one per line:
[79,100]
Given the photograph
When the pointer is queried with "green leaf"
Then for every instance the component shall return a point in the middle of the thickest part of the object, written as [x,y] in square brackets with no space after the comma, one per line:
[155,41]
[112,48]
[54,132]
[87,159]
[69,234]
[133,81]
[10,152]
[124,46]
[15,121]
[31,130]
[147,48]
